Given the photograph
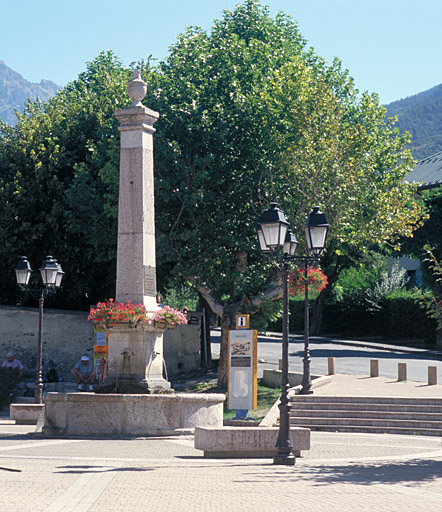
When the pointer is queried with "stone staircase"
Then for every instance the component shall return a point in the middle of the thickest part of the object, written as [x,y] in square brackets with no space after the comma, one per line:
[421,416]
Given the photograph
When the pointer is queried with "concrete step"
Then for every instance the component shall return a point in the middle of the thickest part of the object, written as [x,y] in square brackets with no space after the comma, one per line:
[60,387]
[356,406]
[368,414]
[24,400]
[376,430]
[369,422]
[373,414]
[366,400]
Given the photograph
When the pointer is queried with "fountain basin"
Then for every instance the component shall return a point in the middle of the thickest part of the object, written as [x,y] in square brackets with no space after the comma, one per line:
[86,414]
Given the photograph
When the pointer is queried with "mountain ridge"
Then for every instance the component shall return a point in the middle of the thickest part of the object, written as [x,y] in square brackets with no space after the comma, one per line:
[421,115]
[16,90]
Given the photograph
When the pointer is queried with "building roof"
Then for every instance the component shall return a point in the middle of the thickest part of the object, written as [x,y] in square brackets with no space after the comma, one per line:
[428,172]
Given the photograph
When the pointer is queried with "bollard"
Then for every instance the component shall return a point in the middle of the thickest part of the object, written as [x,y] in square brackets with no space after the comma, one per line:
[374,367]
[280,364]
[432,375]
[401,371]
[331,366]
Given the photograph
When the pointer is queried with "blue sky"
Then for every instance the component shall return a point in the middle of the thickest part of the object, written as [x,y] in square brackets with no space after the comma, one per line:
[392,47]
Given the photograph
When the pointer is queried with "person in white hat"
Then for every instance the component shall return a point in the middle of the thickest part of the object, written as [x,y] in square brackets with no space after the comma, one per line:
[84,374]
[14,364]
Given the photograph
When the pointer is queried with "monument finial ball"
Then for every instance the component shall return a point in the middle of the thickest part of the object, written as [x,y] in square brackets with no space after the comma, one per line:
[136,89]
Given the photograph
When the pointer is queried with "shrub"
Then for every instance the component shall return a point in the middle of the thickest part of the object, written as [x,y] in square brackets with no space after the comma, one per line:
[396,316]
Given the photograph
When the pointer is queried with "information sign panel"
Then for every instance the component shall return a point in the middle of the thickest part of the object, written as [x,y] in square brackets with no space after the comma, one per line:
[101,348]
[243,358]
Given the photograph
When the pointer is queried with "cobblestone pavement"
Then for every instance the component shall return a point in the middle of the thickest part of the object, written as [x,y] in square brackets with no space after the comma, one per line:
[341,472]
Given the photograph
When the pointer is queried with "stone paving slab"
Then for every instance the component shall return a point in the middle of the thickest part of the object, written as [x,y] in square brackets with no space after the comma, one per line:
[344,472]
[189,484]
[373,471]
[362,385]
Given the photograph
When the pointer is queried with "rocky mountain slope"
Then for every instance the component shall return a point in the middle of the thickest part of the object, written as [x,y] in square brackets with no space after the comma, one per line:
[15,91]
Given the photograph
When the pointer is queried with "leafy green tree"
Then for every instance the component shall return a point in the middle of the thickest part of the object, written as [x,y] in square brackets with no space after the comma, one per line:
[432,304]
[249,115]
[425,245]
[337,151]
[210,159]
[430,232]
[59,183]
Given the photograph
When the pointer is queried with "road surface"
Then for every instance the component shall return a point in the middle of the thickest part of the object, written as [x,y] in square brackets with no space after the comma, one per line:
[351,357]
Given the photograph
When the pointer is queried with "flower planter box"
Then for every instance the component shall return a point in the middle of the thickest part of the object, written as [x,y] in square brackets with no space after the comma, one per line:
[111,325]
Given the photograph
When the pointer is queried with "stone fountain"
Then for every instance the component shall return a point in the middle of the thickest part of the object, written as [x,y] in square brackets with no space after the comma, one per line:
[135,354]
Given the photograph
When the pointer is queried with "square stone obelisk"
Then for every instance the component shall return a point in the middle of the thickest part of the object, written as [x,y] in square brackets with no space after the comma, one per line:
[136,260]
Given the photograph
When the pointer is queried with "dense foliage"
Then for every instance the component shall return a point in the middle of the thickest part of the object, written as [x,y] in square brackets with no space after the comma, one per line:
[248,114]
[59,185]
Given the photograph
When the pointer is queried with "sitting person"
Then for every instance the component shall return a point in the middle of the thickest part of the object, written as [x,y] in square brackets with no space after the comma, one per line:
[84,374]
[11,362]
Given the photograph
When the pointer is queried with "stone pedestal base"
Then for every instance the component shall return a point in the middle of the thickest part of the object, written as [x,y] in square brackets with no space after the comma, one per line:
[134,387]
[144,366]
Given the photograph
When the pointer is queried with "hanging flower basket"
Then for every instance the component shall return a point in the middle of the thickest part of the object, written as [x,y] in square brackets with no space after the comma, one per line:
[110,314]
[316,280]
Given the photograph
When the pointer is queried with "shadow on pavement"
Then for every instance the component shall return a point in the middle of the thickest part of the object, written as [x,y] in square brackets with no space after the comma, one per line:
[408,472]
[411,471]
[80,470]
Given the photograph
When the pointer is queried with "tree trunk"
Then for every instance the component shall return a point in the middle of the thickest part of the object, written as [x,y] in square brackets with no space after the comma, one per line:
[317,313]
[223,352]
[227,320]
[439,339]
[227,314]
[206,350]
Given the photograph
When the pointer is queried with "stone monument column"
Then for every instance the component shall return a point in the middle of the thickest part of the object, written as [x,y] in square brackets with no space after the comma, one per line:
[136,261]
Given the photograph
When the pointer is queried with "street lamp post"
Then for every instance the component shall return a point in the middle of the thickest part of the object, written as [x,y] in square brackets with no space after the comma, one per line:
[51,275]
[275,239]
[316,229]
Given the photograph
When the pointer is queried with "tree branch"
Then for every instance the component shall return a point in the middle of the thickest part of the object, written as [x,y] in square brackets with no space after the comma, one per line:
[274,290]
[215,306]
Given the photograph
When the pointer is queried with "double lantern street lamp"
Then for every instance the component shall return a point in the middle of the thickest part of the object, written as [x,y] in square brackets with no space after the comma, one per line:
[51,275]
[276,240]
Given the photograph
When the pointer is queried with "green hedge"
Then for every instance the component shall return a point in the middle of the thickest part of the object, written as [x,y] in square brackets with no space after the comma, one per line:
[395,317]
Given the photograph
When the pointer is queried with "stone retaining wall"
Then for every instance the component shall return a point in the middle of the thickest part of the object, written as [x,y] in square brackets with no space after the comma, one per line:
[67,335]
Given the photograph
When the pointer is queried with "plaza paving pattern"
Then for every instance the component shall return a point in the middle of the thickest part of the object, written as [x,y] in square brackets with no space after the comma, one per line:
[342,472]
